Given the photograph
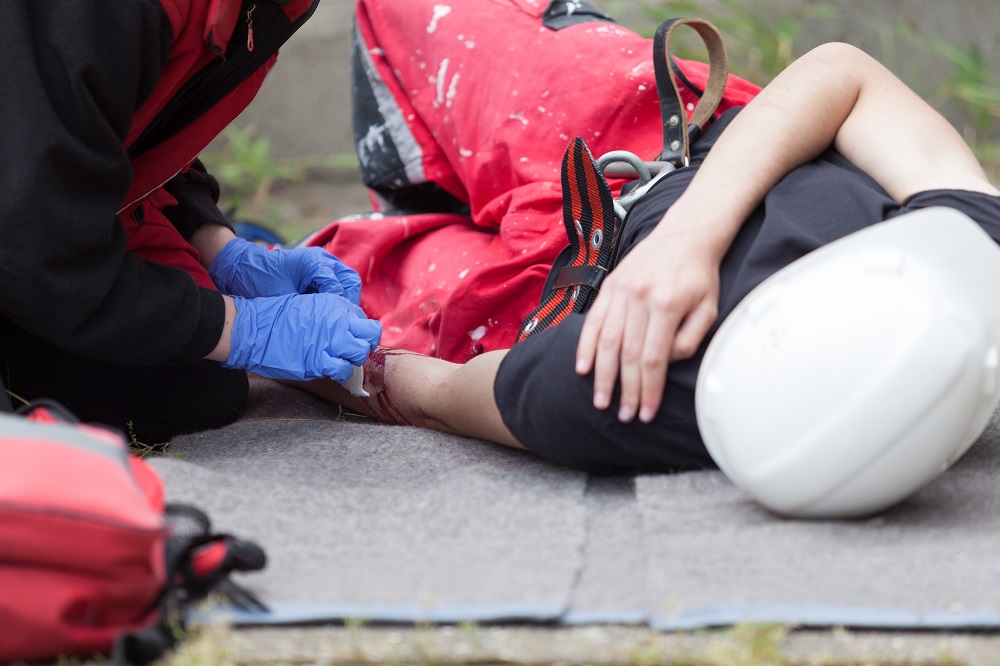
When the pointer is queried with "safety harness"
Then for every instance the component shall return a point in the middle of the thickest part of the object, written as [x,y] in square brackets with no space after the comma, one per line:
[592,216]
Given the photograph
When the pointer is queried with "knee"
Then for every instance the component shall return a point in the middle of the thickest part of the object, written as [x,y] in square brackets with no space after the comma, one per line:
[219,400]
[225,399]
[208,397]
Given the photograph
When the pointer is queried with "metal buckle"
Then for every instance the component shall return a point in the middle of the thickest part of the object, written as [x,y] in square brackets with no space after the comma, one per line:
[623,164]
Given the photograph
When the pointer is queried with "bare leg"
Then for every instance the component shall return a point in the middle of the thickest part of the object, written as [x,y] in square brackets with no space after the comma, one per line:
[410,389]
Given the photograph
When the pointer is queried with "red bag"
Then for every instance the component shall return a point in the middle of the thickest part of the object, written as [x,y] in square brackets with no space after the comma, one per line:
[84,542]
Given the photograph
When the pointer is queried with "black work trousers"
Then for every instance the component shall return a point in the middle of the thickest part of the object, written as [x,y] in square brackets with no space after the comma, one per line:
[159,401]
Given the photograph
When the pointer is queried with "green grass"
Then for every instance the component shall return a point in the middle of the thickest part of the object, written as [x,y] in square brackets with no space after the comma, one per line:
[144,450]
[249,173]
[761,42]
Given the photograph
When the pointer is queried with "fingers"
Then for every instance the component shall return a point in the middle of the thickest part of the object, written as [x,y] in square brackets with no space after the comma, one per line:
[339,359]
[324,273]
[623,338]
[333,277]
[352,350]
[361,337]
[632,336]
[368,330]
[586,347]
[350,281]
[632,342]
[600,342]
[693,330]
[336,368]
[325,281]
[660,338]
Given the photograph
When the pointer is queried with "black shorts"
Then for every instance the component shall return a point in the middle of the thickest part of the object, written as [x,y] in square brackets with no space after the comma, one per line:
[549,408]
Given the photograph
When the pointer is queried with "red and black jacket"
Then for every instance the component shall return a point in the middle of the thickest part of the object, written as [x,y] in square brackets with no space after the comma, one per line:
[102,103]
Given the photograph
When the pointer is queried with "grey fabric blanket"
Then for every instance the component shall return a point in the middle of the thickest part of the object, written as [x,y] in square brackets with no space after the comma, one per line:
[398,524]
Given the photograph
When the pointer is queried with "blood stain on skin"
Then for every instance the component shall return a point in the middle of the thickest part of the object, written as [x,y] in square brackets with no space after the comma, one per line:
[375,374]
[375,369]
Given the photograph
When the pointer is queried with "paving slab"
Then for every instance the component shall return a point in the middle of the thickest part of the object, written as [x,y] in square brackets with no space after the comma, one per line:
[598,645]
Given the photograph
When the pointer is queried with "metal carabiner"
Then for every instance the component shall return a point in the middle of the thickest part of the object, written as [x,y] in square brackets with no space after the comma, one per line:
[623,164]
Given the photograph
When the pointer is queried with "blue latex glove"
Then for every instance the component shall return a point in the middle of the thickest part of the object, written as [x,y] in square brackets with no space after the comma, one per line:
[301,336]
[249,270]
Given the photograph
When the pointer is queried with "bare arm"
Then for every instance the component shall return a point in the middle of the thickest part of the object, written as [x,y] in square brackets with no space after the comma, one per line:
[657,306]
[409,389]
[834,95]
[209,241]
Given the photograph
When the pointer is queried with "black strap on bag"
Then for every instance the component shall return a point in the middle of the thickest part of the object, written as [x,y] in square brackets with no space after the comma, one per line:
[589,209]
[188,583]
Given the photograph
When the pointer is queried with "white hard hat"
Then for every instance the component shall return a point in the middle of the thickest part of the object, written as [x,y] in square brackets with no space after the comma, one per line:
[855,375]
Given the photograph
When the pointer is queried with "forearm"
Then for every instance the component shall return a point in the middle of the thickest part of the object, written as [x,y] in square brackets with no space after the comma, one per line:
[902,142]
[407,388]
[209,240]
[794,119]
[464,402]
[221,351]
[834,95]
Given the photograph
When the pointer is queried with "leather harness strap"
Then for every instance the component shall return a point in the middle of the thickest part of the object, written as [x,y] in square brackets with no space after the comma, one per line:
[677,134]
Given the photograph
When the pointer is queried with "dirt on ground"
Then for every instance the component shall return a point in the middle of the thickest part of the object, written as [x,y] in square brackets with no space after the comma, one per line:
[571,646]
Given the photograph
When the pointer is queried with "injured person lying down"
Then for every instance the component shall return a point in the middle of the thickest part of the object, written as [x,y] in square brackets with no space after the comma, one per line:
[834,145]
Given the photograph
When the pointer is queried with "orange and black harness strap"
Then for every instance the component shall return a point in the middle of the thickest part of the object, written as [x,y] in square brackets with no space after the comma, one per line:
[591,226]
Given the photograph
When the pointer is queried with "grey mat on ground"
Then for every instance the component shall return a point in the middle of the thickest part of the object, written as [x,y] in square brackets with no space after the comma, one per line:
[384,522]
[388,523]
[716,558]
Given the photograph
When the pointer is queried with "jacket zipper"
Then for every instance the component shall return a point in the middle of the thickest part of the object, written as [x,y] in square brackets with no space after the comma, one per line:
[250,27]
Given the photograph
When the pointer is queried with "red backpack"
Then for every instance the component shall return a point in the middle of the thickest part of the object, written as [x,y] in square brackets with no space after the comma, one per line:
[91,558]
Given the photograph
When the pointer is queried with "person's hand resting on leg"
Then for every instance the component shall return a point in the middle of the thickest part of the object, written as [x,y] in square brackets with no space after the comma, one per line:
[654,308]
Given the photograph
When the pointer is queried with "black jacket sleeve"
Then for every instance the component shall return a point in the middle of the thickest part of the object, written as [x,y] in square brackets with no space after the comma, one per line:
[197,193]
[73,75]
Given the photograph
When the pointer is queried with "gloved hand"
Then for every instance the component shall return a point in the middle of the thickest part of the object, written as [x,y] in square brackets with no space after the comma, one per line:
[301,336]
[249,270]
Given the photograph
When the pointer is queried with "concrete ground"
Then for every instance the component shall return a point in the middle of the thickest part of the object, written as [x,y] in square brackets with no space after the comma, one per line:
[515,645]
